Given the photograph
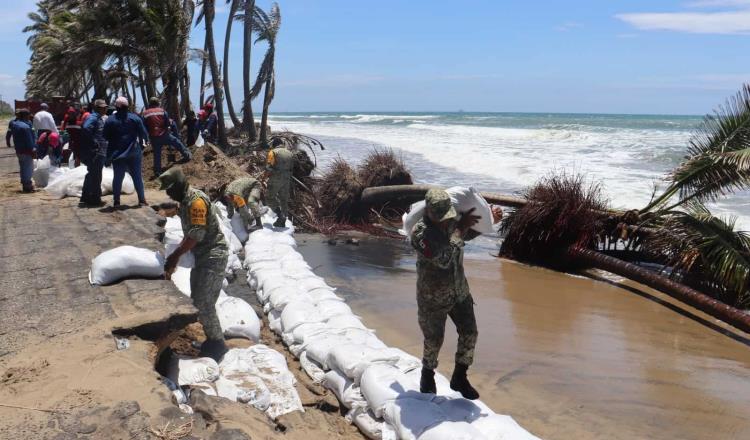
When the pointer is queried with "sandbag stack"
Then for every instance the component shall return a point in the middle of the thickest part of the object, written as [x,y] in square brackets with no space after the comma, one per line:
[378,384]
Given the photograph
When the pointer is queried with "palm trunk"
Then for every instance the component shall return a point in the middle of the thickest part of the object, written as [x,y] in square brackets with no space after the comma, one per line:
[248,121]
[700,301]
[264,116]
[144,94]
[185,91]
[215,74]
[201,100]
[227,35]
[132,81]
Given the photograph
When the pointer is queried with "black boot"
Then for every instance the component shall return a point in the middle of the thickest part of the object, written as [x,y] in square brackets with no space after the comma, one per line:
[258,225]
[427,383]
[215,349]
[460,383]
[280,220]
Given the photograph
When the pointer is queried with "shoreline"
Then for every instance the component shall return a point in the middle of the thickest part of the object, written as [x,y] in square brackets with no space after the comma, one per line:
[566,356]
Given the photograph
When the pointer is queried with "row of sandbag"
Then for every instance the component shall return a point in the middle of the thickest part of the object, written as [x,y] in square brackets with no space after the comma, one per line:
[62,182]
[378,384]
[258,375]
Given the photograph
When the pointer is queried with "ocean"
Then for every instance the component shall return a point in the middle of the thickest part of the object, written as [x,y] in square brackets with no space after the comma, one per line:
[629,155]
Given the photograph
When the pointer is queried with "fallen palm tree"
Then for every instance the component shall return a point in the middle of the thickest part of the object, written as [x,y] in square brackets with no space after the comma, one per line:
[561,226]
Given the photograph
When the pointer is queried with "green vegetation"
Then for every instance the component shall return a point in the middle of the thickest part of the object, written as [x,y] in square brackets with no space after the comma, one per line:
[89,49]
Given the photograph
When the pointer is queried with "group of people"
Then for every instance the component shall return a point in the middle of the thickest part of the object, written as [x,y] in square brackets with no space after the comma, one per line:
[100,135]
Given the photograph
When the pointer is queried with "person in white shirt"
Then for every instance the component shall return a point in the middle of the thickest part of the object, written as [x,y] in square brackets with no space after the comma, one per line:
[44,122]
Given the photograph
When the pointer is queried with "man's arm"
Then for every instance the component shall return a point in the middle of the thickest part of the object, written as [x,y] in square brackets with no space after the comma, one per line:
[199,213]
[186,245]
[8,135]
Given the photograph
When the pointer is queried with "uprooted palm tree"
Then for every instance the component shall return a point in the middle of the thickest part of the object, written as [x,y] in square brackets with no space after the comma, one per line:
[562,221]
[718,159]
[268,30]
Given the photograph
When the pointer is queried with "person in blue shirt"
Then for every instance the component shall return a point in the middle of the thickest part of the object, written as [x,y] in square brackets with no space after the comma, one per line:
[125,135]
[93,155]
[24,141]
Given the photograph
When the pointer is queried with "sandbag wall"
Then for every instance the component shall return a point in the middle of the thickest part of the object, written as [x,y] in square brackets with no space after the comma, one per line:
[378,384]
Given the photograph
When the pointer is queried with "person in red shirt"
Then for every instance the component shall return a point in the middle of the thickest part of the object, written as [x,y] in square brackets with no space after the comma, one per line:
[158,125]
[72,125]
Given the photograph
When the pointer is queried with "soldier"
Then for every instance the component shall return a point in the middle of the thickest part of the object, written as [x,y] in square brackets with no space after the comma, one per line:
[279,166]
[442,289]
[203,236]
[243,195]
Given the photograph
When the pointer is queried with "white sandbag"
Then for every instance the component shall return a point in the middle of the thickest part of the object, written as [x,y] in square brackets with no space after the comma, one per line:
[68,184]
[241,381]
[264,265]
[292,256]
[411,417]
[381,383]
[452,431]
[463,200]
[318,348]
[125,262]
[333,307]
[348,394]
[313,283]
[199,142]
[41,172]
[300,334]
[274,322]
[238,227]
[297,314]
[345,321]
[323,294]
[312,368]
[181,279]
[501,427]
[371,427]
[233,264]
[293,266]
[238,319]
[279,298]
[108,177]
[280,381]
[190,371]
[352,359]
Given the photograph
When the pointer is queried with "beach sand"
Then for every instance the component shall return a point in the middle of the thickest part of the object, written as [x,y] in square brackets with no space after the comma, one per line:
[566,356]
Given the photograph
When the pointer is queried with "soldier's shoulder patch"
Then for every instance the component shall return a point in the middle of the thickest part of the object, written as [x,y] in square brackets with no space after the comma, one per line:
[271,159]
[238,201]
[198,212]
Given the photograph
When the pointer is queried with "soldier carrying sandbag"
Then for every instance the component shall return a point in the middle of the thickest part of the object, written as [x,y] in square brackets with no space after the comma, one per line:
[243,195]
[280,168]
[442,288]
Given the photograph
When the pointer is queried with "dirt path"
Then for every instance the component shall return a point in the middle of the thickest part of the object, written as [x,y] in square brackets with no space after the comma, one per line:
[567,357]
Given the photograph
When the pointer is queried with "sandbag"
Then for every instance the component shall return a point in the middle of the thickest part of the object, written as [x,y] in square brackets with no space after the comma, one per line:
[381,383]
[348,394]
[318,348]
[501,427]
[181,279]
[41,172]
[238,227]
[240,380]
[312,368]
[353,359]
[411,417]
[280,381]
[463,199]
[238,319]
[190,371]
[125,262]
[371,427]
[452,431]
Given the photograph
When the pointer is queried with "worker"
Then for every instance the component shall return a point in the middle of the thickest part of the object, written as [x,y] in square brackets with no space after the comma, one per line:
[24,141]
[211,125]
[191,127]
[49,144]
[71,124]
[202,236]
[43,121]
[125,135]
[243,195]
[442,289]
[93,154]
[158,125]
[279,167]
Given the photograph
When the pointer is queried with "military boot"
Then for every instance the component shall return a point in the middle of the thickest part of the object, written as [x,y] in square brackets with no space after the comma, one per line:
[460,383]
[215,349]
[258,225]
[280,220]
[427,383]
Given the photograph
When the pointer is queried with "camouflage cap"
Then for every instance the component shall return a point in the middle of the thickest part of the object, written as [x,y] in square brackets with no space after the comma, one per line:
[171,177]
[439,203]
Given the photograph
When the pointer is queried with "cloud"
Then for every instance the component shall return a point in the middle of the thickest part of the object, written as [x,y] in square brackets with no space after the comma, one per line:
[727,17]
[567,26]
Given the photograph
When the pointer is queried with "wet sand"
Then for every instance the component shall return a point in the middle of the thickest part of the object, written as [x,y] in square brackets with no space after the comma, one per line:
[568,357]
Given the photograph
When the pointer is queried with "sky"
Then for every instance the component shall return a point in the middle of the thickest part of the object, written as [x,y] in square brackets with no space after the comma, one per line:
[577,56]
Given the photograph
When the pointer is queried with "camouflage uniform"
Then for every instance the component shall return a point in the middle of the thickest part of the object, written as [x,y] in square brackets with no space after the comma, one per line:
[199,222]
[280,164]
[442,291]
[245,195]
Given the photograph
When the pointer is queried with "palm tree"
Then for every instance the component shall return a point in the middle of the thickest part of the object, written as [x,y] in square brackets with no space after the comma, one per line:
[269,25]
[718,159]
[233,5]
[208,12]
[248,122]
